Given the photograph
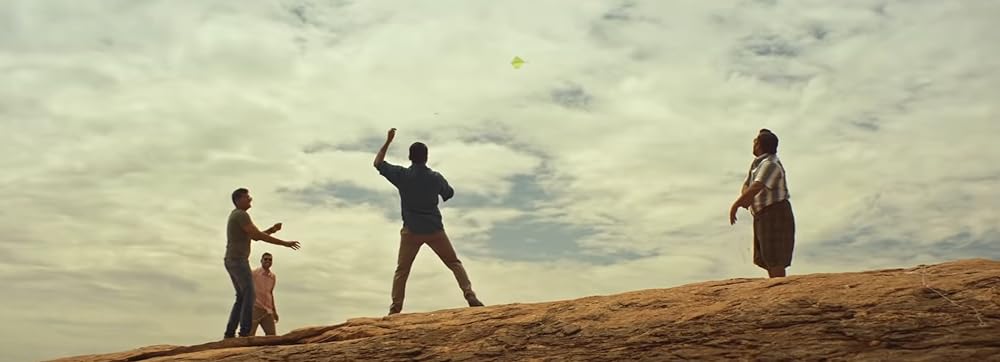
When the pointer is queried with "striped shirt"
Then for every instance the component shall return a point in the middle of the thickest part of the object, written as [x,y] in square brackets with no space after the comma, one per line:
[263,286]
[768,170]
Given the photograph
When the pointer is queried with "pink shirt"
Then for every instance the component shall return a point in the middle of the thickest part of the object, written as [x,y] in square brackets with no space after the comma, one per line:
[263,284]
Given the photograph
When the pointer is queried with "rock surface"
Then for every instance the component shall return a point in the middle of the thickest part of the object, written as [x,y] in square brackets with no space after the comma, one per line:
[942,312]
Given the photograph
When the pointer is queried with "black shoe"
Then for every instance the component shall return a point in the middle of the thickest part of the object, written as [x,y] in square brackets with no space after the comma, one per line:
[228,336]
[473,301]
[395,309]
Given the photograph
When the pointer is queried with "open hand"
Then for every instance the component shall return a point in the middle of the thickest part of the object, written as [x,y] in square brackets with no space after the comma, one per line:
[293,244]
[732,214]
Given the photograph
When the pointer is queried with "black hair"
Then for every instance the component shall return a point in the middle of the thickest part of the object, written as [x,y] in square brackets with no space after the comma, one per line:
[239,193]
[768,141]
[418,153]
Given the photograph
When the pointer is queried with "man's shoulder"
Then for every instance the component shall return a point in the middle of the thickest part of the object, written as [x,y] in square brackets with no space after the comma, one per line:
[387,168]
[771,159]
[775,161]
[434,173]
[239,215]
[388,165]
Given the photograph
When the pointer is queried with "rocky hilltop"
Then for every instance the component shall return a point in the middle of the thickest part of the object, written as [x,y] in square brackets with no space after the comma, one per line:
[942,312]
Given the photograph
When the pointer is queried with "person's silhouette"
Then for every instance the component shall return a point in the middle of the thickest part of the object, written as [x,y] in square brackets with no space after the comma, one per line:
[419,188]
[239,231]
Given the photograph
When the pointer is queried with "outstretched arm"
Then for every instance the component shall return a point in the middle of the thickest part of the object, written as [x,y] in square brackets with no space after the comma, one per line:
[256,234]
[380,157]
[273,229]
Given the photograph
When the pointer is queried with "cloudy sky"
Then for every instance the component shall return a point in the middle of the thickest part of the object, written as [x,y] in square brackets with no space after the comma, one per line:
[607,163]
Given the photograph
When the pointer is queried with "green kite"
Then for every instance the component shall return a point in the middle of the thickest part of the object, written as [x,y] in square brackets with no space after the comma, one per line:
[517,62]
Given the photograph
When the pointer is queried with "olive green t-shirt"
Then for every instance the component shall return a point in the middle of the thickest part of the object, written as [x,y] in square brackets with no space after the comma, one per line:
[237,239]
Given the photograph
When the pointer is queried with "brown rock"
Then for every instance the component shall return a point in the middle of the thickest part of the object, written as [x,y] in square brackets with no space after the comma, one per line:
[943,312]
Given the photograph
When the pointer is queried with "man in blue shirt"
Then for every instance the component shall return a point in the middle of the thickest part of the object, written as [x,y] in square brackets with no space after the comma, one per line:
[419,188]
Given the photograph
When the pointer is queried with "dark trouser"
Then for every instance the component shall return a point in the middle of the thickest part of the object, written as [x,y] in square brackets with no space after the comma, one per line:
[409,245]
[242,312]
[774,236]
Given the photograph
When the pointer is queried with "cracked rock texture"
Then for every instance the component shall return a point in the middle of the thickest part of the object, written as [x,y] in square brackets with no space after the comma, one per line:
[943,312]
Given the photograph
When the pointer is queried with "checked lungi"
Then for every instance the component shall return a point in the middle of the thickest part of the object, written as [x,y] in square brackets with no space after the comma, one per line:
[774,236]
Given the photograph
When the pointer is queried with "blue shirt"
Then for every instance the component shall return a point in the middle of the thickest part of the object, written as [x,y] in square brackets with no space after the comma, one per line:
[419,188]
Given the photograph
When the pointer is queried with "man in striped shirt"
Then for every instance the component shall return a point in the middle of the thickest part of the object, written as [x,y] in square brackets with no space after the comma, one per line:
[265,314]
[765,193]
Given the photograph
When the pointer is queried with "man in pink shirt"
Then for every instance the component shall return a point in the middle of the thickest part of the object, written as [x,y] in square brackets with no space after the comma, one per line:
[264,312]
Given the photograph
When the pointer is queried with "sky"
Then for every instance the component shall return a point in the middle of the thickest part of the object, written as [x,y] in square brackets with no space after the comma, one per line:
[606,163]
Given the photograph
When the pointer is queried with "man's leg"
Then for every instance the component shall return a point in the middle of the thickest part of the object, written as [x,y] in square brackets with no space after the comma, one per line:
[758,247]
[784,238]
[774,239]
[267,322]
[444,250]
[409,245]
[258,313]
[245,297]
[234,314]
[264,319]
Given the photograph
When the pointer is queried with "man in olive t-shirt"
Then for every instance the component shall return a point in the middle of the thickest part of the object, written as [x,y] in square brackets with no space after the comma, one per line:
[239,231]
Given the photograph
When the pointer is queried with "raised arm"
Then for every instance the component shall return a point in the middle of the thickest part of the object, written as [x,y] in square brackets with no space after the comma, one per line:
[385,148]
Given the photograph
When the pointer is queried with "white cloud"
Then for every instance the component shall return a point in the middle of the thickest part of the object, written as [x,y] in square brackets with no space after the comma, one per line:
[128,124]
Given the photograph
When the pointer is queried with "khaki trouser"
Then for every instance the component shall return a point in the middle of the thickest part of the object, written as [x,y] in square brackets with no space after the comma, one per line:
[264,319]
[409,245]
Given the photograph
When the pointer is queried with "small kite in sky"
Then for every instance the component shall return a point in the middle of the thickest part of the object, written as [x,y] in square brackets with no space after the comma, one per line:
[517,62]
